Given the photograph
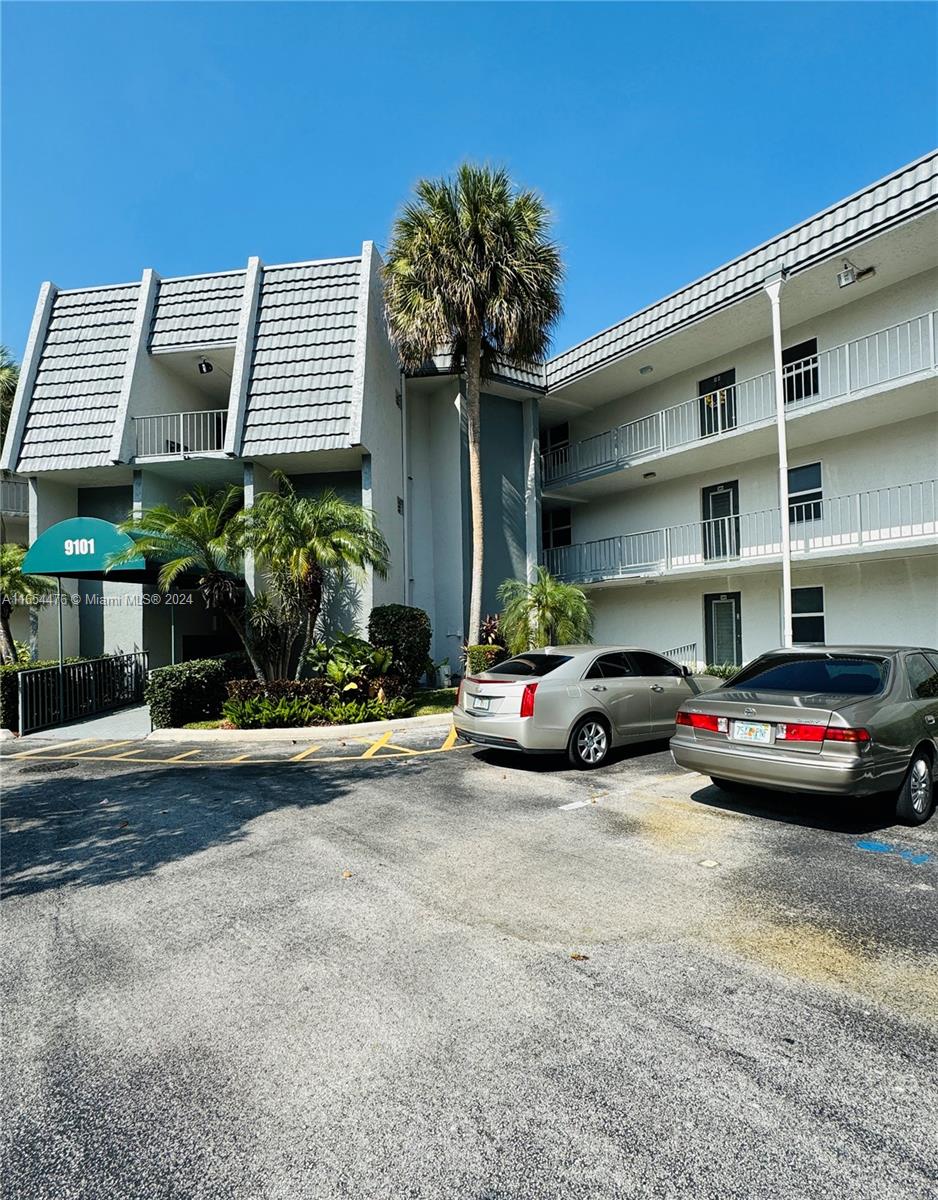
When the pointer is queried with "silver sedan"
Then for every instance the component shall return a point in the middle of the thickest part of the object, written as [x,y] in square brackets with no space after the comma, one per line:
[582,700]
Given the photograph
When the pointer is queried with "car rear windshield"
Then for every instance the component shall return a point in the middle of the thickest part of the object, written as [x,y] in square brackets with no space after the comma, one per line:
[837,674]
[530,664]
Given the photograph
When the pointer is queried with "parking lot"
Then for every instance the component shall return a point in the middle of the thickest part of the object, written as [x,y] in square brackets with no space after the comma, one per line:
[428,971]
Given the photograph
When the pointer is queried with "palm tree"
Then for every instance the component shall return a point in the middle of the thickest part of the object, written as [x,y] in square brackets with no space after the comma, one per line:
[303,540]
[17,588]
[9,377]
[544,613]
[203,537]
[471,270]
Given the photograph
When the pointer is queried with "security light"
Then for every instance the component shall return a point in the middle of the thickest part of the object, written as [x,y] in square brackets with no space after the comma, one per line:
[645,370]
[205,367]
[851,273]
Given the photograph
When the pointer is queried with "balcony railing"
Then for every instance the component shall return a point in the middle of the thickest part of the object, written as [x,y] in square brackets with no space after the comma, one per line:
[863,520]
[889,354]
[14,497]
[177,435]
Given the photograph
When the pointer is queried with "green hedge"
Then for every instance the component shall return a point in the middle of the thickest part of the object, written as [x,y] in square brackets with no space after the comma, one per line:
[9,691]
[190,691]
[292,712]
[316,691]
[482,658]
[407,632]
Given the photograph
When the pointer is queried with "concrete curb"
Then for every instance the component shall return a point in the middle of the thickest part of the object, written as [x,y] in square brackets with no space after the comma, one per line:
[310,733]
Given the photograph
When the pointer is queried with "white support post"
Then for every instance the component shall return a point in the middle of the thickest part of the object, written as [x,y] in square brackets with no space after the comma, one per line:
[773,290]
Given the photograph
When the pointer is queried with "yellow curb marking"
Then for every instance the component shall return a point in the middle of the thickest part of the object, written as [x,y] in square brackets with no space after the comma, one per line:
[47,749]
[304,754]
[376,746]
[450,739]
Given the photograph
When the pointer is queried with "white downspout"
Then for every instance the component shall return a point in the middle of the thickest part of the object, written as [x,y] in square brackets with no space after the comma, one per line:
[405,488]
[773,290]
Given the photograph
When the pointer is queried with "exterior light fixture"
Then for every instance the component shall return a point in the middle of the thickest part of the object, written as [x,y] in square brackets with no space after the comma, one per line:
[205,367]
[645,370]
[852,273]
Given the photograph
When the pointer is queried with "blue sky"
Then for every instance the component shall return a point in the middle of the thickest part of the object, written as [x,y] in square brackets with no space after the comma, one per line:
[667,138]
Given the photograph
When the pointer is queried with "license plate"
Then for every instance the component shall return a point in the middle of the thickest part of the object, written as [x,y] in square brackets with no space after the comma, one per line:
[752,731]
[481,703]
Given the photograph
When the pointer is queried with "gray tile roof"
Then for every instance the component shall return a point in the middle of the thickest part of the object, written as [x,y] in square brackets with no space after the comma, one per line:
[300,391]
[197,310]
[899,197]
[71,414]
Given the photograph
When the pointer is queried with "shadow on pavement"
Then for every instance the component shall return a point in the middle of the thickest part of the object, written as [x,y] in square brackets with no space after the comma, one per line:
[540,764]
[88,830]
[837,814]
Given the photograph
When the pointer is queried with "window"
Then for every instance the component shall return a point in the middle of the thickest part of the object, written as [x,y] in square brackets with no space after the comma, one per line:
[800,371]
[610,666]
[536,665]
[556,530]
[556,437]
[646,663]
[805,493]
[807,614]
[923,677]
[806,675]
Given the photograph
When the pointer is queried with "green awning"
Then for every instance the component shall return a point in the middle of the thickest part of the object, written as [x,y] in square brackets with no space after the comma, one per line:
[81,548]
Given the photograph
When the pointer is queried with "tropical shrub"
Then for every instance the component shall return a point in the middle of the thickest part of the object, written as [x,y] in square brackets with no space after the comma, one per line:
[313,691]
[490,631]
[262,712]
[191,691]
[406,631]
[722,670]
[482,658]
[544,612]
[354,667]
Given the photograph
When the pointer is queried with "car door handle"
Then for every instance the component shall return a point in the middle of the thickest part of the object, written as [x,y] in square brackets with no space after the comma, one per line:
[929,720]
[656,687]
[597,687]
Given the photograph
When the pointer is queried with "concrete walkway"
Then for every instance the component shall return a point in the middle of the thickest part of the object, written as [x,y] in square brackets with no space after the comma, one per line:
[124,723]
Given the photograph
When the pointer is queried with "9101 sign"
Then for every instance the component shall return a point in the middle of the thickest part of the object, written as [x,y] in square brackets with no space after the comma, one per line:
[78,546]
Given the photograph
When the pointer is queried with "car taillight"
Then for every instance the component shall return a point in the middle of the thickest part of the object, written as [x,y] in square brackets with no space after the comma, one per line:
[703,721]
[787,732]
[834,734]
[459,694]
[527,700]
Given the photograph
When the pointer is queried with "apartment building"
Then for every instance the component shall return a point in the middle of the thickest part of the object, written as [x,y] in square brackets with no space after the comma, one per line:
[660,482]
[131,394]
[641,464]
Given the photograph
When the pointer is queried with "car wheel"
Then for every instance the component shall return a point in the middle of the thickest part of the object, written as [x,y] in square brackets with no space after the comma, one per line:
[730,786]
[916,798]
[589,743]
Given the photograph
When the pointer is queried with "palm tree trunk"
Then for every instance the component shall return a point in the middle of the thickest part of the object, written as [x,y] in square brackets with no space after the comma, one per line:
[473,433]
[7,648]
[242,637]
[313,609]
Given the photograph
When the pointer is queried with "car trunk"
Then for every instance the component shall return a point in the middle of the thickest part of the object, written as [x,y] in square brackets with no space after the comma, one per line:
[494,695]
[754,719]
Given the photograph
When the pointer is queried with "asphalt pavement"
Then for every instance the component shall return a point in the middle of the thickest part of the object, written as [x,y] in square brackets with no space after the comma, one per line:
[449,973]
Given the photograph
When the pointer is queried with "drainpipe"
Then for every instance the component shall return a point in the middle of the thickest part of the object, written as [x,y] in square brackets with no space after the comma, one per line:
[405,489]
[773,288]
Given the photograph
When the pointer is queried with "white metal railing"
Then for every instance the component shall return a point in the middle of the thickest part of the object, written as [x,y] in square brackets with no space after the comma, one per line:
[888,354]
[862,520]
[14,497]
[683,654]
[180,434]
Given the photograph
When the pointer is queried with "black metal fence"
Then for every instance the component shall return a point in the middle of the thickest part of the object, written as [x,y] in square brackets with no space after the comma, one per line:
[56,695]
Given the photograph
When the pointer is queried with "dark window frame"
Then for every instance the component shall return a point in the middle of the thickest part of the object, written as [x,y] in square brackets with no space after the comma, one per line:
[803,383]
[812,615]
[806,504]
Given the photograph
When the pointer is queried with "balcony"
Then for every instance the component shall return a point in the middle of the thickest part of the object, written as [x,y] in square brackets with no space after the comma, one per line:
[836,525]
[180,435]
[842,372]
[14,497]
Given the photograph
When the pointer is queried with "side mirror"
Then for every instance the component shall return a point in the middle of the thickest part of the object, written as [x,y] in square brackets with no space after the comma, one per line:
[686,671]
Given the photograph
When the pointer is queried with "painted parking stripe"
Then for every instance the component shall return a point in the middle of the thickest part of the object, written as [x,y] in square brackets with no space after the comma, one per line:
[185,754]
[49,749]
[101,749]
[450,739]
[130,753]
[304,754]
[376,746]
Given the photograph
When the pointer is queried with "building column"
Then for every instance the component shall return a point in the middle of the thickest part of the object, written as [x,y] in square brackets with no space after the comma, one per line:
[773,290]
[532,486]
[257,479]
